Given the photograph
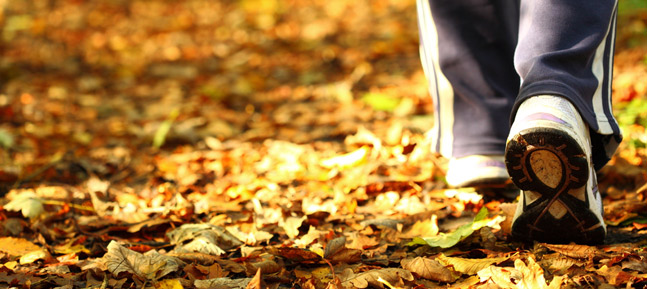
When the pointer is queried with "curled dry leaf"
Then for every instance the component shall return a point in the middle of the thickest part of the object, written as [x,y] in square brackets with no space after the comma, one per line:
[297,255]
[202,238]
[373,278]
[429,269]
[149,266]
[336,252]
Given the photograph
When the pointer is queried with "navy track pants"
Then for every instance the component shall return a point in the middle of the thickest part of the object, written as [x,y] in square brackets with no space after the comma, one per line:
[482,58]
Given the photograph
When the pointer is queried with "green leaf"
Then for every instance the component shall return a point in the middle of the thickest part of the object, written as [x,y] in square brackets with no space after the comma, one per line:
[165,127]
[6,139]
[381,101]
[447,240]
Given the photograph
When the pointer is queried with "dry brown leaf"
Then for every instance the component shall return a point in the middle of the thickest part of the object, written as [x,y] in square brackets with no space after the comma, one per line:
[559,262]
[297,255]
[291,226]
[423,228]
[202,238]
[522,276]
[639,265]
[373,278]
[222,283]
[149,266]
[429,269]
[469,266]
[574,250]
[256,282]
[334,245]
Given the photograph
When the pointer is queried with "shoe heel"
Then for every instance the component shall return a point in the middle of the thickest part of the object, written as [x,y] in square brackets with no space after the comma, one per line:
[546,160]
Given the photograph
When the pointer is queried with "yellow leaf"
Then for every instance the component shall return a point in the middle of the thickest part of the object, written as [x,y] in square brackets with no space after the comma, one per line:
[348,160]
[169,284]
[469,266]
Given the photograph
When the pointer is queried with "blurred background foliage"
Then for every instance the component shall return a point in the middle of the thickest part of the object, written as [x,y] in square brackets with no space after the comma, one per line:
[141,58]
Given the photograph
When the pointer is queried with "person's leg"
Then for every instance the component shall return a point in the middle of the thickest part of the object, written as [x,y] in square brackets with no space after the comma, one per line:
[467,50]
[563,128]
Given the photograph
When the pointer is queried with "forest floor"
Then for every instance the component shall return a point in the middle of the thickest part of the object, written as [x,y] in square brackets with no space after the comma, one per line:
[244,144]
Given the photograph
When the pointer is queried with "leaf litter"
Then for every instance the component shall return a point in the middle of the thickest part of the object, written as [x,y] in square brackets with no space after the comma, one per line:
[247,144]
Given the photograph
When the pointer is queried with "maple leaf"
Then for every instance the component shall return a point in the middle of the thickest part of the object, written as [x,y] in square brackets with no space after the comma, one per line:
[149,266]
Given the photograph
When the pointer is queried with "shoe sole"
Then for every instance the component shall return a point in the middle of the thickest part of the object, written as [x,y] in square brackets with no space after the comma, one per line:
[550,162]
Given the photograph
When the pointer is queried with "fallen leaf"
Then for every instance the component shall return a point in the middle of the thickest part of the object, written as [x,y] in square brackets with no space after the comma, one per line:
[291,226]
[28,203]
[169,284]
[574,250]
[202,238]
[297,255]
[149,266]
[469,266]
[222,283]
[256,282]
[373,277]
[522,276]
[446,240]
[348,160]
[429,269]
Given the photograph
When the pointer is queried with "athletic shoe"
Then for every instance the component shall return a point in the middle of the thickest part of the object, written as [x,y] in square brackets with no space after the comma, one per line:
[476,171]
[548,156]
